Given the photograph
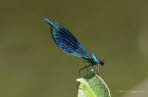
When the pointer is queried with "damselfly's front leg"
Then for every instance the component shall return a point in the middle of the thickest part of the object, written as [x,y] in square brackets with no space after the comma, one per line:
[84,68]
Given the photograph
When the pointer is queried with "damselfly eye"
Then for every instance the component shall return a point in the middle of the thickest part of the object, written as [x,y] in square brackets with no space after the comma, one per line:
[102,63]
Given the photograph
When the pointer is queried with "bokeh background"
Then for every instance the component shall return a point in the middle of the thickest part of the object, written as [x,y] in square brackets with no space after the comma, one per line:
[31,65]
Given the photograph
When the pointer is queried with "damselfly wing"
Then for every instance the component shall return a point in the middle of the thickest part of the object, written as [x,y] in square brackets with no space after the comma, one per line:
[68,43]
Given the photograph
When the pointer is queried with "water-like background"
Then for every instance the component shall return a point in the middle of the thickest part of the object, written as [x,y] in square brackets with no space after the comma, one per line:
[31,65]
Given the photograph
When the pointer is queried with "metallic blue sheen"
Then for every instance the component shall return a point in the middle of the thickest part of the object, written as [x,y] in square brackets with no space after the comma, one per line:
[52,24]
[95,59]
[68,43]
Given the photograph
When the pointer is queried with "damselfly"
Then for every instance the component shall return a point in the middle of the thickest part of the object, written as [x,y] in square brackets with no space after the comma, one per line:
[68,43]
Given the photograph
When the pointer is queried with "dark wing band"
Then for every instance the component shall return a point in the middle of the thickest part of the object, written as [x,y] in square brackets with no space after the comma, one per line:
[65,40]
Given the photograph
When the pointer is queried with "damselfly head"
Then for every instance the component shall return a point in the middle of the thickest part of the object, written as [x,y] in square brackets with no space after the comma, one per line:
[101,62]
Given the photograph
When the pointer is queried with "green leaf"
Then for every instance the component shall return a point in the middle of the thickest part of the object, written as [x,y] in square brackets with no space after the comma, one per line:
[92,85]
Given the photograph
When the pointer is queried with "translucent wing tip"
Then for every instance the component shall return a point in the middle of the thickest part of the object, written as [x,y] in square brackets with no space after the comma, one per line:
[49,22]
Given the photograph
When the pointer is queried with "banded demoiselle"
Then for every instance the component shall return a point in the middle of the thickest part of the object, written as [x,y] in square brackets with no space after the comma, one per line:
[68,43]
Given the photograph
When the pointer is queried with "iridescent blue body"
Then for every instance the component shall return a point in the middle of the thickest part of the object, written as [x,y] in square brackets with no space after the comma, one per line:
[68,43]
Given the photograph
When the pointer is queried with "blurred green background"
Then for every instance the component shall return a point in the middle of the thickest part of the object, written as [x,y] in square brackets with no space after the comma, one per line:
[31,65]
